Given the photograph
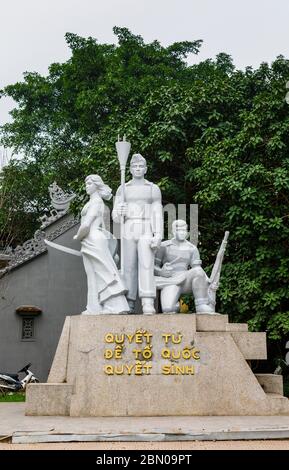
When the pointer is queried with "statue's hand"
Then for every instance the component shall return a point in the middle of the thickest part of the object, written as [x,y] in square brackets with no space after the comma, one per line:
[166,271]
[122,209]
[155,242]
[82,232]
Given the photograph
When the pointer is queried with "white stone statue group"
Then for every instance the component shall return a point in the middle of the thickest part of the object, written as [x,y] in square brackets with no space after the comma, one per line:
[173,266]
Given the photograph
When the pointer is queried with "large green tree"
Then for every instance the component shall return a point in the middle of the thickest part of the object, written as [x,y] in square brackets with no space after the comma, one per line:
[60,118]
[212,135]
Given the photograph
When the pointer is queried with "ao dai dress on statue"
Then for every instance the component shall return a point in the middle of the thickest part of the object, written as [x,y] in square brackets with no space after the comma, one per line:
[106,291]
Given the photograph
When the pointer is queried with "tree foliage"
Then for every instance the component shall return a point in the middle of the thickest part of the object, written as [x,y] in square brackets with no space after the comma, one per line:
[212,135]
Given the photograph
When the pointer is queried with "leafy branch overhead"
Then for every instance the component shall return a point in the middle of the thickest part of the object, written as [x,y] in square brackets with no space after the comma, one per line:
[212,135]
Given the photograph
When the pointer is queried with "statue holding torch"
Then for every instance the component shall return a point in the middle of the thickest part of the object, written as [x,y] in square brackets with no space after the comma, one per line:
[138,207]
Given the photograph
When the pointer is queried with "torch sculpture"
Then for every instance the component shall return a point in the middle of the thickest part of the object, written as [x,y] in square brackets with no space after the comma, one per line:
[123,149]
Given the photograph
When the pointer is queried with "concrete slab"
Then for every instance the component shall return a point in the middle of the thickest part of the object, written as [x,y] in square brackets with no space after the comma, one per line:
[54,398]
[251,344]
[113,360]
[33,429]
[213,322]
[271,383]
[237,327]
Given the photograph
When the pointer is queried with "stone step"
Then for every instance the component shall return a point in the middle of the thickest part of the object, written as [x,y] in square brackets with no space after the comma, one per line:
[237,327]
[48,399]
[211,322]
[252,345]
[271,383]
[279,404]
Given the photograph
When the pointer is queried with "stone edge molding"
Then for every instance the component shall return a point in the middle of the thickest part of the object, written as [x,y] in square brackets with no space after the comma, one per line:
[248,433]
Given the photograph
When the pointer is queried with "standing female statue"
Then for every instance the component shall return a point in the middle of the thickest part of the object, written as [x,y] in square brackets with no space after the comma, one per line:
[106,292]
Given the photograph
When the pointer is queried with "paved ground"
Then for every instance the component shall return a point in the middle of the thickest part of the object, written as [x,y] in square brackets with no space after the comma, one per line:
[115,446]
[157,429]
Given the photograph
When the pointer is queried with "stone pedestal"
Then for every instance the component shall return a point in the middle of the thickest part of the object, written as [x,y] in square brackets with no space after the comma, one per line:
[158,365]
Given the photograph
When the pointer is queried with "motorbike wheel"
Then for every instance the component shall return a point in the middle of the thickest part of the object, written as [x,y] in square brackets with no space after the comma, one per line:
[34,381]
[3,390]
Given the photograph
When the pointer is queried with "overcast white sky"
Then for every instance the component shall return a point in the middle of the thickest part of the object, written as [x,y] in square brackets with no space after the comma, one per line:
[32,31]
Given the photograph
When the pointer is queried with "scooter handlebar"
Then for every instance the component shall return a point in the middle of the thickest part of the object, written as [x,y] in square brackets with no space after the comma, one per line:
[25,368]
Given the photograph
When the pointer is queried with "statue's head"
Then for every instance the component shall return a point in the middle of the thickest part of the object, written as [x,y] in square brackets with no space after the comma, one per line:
[138,166]
[94,183]
[180,229]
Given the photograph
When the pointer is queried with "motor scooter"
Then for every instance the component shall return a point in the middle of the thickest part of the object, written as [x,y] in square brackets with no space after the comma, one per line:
[12,383]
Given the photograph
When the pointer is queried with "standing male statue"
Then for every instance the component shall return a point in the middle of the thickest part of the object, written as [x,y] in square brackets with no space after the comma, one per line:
[143,231]
[178,271]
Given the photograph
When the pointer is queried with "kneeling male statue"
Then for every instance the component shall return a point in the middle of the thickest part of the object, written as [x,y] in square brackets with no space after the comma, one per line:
[178,271]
